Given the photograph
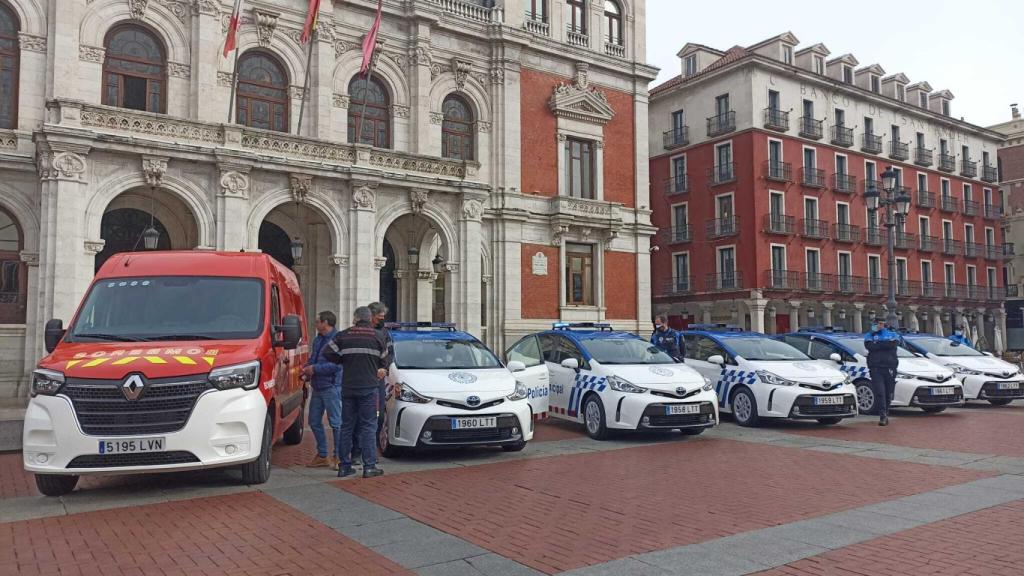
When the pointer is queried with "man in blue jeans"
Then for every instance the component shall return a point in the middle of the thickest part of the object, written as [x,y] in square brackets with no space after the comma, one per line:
[325,379]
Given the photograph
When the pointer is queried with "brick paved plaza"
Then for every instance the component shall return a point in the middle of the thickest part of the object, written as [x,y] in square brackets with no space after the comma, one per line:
[940,494]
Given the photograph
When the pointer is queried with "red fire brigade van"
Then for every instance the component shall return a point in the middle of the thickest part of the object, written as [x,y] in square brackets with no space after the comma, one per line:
[174,361]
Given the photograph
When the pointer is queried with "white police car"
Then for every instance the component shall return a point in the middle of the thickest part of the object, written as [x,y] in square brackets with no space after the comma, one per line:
[983,376]
[446,388]
[612,380]
[920,382]
[757,376]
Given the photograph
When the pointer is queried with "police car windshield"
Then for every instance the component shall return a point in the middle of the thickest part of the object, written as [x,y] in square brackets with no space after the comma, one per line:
[625,351]
[857,345]
[764,349]
[944,347]
[170,308]
[443,354]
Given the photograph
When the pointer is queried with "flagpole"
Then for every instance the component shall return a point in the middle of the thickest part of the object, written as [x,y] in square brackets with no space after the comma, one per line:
[234,87]
[305,83]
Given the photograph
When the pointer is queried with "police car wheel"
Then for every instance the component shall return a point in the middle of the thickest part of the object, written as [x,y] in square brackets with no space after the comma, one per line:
[593,418]
[829,421]
[258,471]
[384,445]
[865,398]
[55,485]
[744,407]
[999,401]
[933,409]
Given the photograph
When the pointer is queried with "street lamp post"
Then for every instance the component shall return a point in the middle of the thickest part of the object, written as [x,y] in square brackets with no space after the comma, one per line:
[896,209]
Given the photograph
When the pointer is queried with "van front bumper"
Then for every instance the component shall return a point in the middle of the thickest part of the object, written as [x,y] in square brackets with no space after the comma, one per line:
[225,428]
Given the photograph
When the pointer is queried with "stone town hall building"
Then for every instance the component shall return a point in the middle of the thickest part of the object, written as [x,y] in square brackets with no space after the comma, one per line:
[499,179]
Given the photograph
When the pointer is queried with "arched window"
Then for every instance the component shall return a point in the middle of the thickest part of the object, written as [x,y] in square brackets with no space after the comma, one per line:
[135,69]
[577,17]
[9,52]
[12,272]
[368,112]
[121,231]
[613,22]
[457,129]
[261,98]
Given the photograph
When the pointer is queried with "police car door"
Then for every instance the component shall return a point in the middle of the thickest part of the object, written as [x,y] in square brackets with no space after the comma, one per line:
[535,377]
[698,350]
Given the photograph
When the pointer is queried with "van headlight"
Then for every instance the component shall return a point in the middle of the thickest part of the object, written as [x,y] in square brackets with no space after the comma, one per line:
[46,382]
[774,379]
[961,371]
[520,393]
[407,394]
[708,384]
[622,385]
[245,376]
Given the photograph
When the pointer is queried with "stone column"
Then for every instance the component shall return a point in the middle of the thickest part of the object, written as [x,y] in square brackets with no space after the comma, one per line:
[33,333]
[63,47]
[956,319]
[316,119]
[794,315]
[979,322]
[420,78]
[858,317]
[233,209]
[364,275]
[209,96]
[1001,343]
[937,322]
[914,322]
[757,308]
[467,278]
[424,294]
[339,299]
[705,312]
[826,313]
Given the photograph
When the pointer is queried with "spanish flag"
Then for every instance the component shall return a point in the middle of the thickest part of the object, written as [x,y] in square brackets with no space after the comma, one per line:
[307,30]
[231,42]
[370,42]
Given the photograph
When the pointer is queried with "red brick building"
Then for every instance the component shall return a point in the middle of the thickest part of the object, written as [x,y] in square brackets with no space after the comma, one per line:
[759,160]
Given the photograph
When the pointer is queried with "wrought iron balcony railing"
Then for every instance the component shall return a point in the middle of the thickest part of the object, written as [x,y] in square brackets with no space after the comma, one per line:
[948,204]
[778,171]
[846,233]
[927,243]
[721,124]
[779,224]
[899,150]
[814,229]
[968,169]
[947,162]
[993,211]
[678,234]
[677,286]
[923,156]
[952,247]
[970,208]
[677,137]
[844,183]
[810,128]
[679,184]
[925,199]
[842,136]
[722,227]
[724,281]
[721,174]
[871,143]
[775,119]
[812,177]
[989,173]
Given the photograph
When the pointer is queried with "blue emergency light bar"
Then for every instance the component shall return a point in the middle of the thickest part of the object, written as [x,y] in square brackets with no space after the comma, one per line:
[581,325]
[714,328]
[824,329]
[439,326]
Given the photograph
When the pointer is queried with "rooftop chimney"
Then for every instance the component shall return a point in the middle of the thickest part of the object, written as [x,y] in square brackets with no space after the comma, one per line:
[1015,111]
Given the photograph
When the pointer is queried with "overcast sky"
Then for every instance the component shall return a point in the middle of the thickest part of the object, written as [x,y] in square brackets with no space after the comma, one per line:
[975,48]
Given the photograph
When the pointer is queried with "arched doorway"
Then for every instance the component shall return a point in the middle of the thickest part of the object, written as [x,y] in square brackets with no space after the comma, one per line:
[121,230]
[128,215]
[417,278]
[275,242]
[388,282]
[318,277]
[13,277]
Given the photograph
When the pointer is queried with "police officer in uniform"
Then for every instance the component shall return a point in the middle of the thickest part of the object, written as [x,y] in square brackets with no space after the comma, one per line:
[882,343]
[959,338]
[668,339]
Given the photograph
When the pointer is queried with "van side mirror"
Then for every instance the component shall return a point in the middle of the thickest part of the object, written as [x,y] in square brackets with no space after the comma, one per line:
[571,364]
[835,357]
[291,332]
[53,334]
[717,359]
[516,366]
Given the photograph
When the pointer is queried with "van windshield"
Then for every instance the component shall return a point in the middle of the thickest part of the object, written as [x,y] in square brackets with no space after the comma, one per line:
[170,308]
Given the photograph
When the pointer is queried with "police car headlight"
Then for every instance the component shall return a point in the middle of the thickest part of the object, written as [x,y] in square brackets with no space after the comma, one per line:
[520,393]
[245,376]
[708,384]
[46,382]
[774,379]
[622,385]
[904,375]
[960,370]
[407,394]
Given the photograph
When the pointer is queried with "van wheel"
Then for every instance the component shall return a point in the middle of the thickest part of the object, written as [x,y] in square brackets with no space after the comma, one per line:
[933,409]
[744,408]
[829,421]
[517,447]
[866,397]
[55,484]
[999,401]
[293,435]
[593,418]
[258,471]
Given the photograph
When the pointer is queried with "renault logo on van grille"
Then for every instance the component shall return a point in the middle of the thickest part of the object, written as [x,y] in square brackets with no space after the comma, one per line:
[132,387]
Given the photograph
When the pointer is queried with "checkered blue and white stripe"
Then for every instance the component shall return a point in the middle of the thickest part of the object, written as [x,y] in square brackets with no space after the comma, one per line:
[582,384]
[731,377]
[855,372]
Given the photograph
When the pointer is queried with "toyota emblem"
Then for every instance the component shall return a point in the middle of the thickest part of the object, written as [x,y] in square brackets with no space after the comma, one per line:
[681,391]
[473,401]
[132,387]
[826,384]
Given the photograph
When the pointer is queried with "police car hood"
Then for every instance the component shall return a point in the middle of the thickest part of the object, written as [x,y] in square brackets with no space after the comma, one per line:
[457,385]
[665,377]
[986,364]
[924,367]
[813,372]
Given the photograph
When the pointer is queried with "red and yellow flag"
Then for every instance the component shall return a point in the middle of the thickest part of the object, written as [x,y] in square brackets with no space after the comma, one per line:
[311,17]
[231,42]
[370,42]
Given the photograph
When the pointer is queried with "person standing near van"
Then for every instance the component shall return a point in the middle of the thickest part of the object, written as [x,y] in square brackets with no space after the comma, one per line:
[667,339]
[325,380]
[379,312]
[881,344]
[362,351]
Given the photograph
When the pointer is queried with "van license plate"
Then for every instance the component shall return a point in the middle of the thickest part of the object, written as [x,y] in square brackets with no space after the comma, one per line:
[672,409]
[466,423]
[131,446]
[1009,385]
[945,391]
[828,400]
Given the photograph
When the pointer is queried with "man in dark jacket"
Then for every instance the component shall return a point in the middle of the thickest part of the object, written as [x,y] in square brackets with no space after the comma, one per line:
[380,313]
[325,380]
[362,351]
[883,361]
[668,339]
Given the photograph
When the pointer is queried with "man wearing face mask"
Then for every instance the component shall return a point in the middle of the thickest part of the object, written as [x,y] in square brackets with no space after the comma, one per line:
[882,343]
[670,341]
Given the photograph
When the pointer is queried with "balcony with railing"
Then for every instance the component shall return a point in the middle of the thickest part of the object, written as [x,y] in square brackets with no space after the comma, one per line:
[537,24]
[925,199]
[721,174]
[778,171]
[989,173]
[614,49]
[948,204]
[905,241]
[811,128]
[871,143]
[930,290]
[875,236]
[680,234]
[993,211]
[816,282]
[952,291]
[678,184]
[947,162]
[842,136]
[779,224]
[972,249]
[927,243]
[677,286]
[899,150]
[781,280]
[904,287]
[721,227]
[814,229]
[993,252]
[1008,250]
[724,281]
[970,208]
[973,291]
[846,233]
[1012,291]
[844,183]
[676,137]
[849,284]
[923,156]
[721,124]
[868,184]
[876,285]
[994,293]
[952,247]
[472,11]
[576,36]
[903,191]
[968,169]
[812,177]
[775,119]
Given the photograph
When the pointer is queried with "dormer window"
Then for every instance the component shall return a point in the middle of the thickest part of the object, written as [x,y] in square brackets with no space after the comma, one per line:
[901,93]
[848,74]
[945,107]
[876,85]
[819,65]
[923,100]
[690,65]
[787,54]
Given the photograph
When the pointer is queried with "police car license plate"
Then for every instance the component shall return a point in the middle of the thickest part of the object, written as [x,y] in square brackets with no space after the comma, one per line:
[827,400]
[944,391]
[1009,386]
[131,446]
[673,409]
[466,423]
